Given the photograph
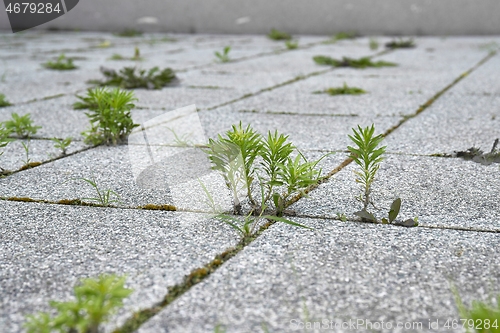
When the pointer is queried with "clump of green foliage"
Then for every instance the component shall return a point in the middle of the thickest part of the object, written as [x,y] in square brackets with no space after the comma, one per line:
[129,33]
[136,57]
[131,78]
[478,156]
[95,301]
[273,164]
[481,317]
[109,115]
[344,90]
[278,35]
[368,155]
[22,126]
[62,64]
[291,44]
[350,62]
[224,55]
[3,101]
[62,144]
[401,44]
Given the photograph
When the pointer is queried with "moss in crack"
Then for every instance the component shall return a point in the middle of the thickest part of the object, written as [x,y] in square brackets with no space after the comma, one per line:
[344,90]
[22,199]
[351,62]
[30,165]
[158,207]
[401,44]
[129,33]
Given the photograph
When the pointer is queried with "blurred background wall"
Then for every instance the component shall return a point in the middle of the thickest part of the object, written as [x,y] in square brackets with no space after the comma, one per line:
[367,17]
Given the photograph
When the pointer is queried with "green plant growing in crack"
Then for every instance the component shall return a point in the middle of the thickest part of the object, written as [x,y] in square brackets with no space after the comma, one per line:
[401,44]
[278,35]
[478,156]
[109,115]
[131,78]
[368,156]
[223,56]
[136,57]
[363,62]
[22,126]
[373,43]
[340,36]
[95,300]
[3,101]
[181,141]
[278,174]
[104,197]
[62,144]
[62,64]
[480,317]
[344,90]
[291,44]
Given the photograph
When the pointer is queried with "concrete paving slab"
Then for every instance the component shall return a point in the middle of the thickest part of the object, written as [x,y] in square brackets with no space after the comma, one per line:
[56,116]
[481,82]
[306,132]
[441,192]
[14,154]
[46,249]
[339,272]
[455,122]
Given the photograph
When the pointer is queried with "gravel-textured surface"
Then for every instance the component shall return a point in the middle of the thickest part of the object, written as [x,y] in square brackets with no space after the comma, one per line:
[46,249]
[340,272]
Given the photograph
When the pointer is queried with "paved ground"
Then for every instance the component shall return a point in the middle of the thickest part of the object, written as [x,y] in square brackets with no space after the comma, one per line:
[444,96]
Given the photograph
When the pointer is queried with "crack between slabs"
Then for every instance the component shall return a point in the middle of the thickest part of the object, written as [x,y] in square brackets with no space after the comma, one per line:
[421,109]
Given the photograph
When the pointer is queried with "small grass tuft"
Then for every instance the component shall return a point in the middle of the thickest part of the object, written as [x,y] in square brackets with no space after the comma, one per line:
[401,44]
[350,62]
[136,57]
[224,55]
[22,126]
[110,118]
[3,101]
[344,90]
[129,33]
[61,64]
[131,78]
[94,302]
[292,44]
[278,35]
[478,156]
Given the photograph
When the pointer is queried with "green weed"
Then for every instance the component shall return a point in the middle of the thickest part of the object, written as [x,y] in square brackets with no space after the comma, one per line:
[224,55]
[3,101]
[368,156]
[109,115]
[350,62]
[128,33]
[344,90]
[373,44]
[478,156]
[278,35]
[340,36]
[131,78]
[401,44]
[277,173]
[62,64]
[481,317]
[62,144]
[136,57]
[95,301]
[104,197]
[22,126]
[291,44]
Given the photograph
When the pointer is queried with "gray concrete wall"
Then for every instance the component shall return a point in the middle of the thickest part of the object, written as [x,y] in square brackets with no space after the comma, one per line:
[367,17]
